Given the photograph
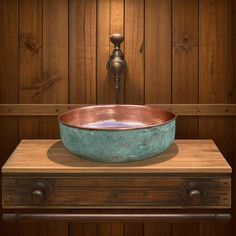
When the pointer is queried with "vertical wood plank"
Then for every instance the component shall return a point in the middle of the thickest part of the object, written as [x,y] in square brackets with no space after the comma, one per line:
[51,229]
[55,51]
[30,71]
[185,23]
[157,51]
[185,78]
[157,229]
[104,83]
[157,71]
[84,229]
[8,75]
[131,229]
[213,51]
[43,75]
[185,62]
[134,76]
[34,81]
[185,88]
[232,162]
[117,26]
[134,51]
[190,229]
[110,20]
[82,71]
[8,88]
[231,72]
[55,71]
[110,229]
[28,229]
[30,62]
[82,51]
[30,50]
[117,229]
[213,67]
[219,229]
[104,229]
[231,51]
[213,80]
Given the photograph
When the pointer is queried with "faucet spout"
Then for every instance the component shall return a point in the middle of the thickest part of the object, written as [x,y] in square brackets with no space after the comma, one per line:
[116,64]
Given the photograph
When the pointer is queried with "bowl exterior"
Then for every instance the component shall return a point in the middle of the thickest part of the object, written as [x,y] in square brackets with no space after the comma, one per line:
[118,146]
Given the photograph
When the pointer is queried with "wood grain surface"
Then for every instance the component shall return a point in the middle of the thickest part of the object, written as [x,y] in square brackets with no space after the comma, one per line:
[134,50]
[8,86]
[56,109]
[185,75]
[82,51]
[157,68]
[157,51]
[50,156]
[213,67]
[103,191]
[43,73]
[53,56]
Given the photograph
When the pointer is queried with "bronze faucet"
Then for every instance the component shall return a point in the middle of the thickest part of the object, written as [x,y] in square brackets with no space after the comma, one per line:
[116,63]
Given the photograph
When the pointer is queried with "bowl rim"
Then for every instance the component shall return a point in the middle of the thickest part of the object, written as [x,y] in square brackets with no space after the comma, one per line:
[156,107]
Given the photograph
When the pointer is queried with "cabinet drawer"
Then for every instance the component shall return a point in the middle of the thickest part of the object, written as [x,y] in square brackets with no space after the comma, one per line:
[87,191]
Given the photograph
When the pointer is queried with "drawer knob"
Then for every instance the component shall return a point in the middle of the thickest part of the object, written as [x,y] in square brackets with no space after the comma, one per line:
[195,196]
[40,191]
[37,196]
[194,192]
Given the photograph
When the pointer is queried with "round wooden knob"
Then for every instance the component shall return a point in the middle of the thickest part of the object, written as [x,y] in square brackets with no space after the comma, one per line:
[40,190]
[194,192]
[38,196]
[195,196]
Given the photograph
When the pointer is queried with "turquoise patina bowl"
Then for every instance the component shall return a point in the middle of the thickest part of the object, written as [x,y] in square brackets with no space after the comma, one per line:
[117,133]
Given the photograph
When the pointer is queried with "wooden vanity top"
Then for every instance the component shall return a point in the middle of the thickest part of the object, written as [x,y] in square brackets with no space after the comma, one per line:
[50,156]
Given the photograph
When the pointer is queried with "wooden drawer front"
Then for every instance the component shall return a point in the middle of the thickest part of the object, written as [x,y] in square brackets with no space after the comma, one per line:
[91,191]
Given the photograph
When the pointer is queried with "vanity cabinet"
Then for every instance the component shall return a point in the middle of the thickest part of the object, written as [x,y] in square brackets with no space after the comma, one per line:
[190,175]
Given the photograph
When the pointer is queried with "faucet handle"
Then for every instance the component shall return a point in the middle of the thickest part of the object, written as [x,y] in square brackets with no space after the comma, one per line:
[117,39]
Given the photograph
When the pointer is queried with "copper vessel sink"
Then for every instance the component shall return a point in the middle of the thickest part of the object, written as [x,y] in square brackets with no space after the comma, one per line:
[117,133]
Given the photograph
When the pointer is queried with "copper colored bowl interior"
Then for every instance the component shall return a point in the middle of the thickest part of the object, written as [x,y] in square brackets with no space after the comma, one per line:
[116,117]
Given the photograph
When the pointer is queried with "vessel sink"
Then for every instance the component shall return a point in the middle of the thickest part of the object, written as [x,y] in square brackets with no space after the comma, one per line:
[117,133]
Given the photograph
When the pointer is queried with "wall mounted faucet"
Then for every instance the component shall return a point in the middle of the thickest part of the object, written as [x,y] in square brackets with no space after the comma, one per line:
[116,64]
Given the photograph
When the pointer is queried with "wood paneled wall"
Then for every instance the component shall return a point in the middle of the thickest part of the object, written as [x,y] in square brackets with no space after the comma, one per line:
[177,51]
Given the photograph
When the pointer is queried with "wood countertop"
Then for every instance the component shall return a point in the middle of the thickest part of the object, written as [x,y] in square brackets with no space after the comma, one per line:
[50,156]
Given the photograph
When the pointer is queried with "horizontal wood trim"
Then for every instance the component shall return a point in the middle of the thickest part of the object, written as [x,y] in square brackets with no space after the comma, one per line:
[115,217]
[56,109]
